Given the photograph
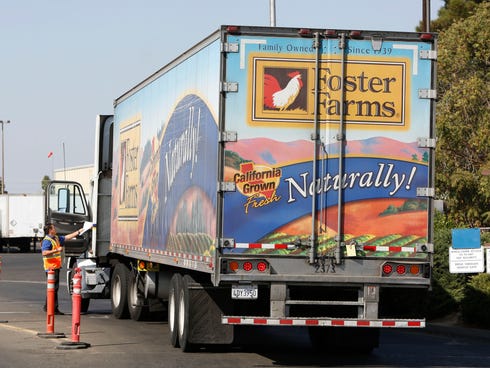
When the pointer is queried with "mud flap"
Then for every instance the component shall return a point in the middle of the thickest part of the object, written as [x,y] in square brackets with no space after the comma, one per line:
[205,313]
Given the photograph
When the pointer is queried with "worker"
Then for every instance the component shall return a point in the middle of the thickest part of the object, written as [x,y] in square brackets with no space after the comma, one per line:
[51,247]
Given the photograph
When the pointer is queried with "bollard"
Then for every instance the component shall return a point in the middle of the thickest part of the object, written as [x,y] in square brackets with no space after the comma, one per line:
[75,315]
[50,295]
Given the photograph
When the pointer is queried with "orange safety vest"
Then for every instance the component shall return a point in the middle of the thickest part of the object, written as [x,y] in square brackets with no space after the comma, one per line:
[53,261]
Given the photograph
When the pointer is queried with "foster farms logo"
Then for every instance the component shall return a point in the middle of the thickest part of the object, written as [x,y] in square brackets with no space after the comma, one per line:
[258,183]
[371,91]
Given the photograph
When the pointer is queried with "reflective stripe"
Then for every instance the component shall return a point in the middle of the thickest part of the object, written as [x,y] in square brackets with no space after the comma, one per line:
[326,322]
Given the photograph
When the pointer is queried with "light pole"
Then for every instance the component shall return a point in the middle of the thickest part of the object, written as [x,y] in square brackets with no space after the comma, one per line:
[3,155]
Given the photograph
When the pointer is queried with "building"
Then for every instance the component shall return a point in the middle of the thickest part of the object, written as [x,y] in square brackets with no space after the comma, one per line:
[81,174]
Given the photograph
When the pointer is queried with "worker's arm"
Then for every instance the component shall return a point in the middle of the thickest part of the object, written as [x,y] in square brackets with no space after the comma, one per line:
[73,234]
[51,251]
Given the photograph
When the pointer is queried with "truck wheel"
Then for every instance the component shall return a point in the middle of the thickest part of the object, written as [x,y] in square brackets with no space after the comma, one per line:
[136,303]
[173,309]
[119,291]
[184,315]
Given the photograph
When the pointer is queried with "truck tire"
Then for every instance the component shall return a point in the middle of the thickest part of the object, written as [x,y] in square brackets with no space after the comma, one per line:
[185,315]
[119,291]
[173,309]
[137,305]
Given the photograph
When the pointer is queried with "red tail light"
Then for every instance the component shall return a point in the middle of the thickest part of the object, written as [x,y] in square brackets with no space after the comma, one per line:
[426,37]
[247,266]
[387,269]
[400,269]
[262,266]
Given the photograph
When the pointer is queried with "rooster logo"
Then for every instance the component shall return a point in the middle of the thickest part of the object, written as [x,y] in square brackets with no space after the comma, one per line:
[279,98]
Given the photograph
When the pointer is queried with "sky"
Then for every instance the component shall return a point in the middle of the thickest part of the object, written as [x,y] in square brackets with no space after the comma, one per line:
[63,62]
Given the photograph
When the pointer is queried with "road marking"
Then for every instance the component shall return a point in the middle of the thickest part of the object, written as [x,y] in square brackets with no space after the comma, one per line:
[24,282]
[15,328]
[30,282]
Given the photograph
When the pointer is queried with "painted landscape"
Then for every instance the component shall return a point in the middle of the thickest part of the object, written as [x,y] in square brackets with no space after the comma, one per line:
[386,221]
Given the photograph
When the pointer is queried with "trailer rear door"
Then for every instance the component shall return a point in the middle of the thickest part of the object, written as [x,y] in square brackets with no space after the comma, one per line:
[334,141]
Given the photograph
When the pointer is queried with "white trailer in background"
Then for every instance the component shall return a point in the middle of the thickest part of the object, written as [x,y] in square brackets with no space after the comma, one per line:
[21,220]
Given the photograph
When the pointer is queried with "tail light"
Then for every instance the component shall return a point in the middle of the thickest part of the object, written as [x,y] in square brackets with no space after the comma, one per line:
[233,29]
[147,266]
[402,269]
[355,35]
[246,266]
[305,32]
[426,37]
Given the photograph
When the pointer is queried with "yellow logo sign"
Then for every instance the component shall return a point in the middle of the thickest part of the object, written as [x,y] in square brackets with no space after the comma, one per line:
[367,92]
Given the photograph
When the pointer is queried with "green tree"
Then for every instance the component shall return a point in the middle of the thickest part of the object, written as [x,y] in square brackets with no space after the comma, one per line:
[453,11]
[463,118]
[45,182]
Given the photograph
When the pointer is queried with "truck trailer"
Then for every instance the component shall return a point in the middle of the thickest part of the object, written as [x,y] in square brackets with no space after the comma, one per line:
[266,177]
[21,220]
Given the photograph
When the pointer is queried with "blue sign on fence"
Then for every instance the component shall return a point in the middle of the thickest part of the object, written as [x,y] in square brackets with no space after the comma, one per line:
[466,238]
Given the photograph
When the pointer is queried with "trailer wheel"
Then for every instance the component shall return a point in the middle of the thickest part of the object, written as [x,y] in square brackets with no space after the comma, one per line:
[184,315]
[173,309]
[119,291]
[136,303]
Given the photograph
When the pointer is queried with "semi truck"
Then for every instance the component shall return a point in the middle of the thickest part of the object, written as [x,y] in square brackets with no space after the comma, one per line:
[21,220]
[266,177]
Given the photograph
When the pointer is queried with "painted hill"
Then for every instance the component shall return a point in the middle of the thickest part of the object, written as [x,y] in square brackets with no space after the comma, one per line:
[270,152]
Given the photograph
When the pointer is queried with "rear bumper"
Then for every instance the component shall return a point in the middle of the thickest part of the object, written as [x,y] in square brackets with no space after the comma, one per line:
[324,322]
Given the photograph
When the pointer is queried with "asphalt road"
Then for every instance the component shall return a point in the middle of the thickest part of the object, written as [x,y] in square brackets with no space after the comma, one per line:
[126,343]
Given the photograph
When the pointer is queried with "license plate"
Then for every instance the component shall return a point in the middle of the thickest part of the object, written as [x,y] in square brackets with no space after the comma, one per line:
[244,292]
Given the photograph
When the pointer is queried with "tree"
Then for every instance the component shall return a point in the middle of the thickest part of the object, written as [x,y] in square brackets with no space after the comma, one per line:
[45,182]
[463,117]
[453,11]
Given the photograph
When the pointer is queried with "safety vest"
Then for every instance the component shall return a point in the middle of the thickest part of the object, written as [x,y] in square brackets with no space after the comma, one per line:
[53,261]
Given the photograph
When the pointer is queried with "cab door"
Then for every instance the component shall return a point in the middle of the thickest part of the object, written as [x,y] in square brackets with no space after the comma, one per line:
[67,209]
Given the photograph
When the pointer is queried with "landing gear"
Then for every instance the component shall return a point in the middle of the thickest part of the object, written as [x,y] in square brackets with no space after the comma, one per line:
[137,305]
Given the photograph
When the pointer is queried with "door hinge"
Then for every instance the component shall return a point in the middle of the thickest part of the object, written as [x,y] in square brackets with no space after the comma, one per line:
[425,142]
[428,93]
[229,47]
[226,186]
[428,54]
[229,87]
[426,192]
[228,137]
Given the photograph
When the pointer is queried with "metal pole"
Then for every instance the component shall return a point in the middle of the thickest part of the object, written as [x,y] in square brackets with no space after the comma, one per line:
[426,15]
[273,12]
[3,155]
[64,160]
